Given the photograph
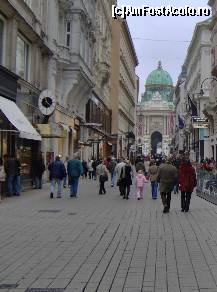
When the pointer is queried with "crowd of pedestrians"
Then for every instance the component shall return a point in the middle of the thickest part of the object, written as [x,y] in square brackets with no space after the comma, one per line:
[166,175]
[172,174]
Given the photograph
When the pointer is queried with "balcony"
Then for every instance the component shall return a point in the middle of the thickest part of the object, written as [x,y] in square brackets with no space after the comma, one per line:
[63,54]
[104,72]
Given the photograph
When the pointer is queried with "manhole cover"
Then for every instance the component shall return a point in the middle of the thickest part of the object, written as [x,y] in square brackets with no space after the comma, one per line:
[49,211]
[44,290]
[72,214]
[8,286]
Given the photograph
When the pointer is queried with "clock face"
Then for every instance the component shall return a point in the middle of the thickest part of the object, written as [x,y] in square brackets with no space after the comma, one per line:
[46,102]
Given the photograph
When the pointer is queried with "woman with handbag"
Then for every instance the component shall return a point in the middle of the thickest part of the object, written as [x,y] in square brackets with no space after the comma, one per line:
[126,174]
[102,173]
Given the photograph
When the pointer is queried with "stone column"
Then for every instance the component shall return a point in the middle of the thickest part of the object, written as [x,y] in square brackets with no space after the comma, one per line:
[148,125]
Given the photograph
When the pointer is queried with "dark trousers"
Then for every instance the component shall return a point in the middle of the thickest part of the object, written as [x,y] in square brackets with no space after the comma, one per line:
[126,191]
[102,187]
[166,198]
[121,189]
[94,174]
[185,200]
[90,173]
[74,186]
[38,182]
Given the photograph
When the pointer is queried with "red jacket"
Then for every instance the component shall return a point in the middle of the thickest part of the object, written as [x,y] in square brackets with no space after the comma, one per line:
[187,178]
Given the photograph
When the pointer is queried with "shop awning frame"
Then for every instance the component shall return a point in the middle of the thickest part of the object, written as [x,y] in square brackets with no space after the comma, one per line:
[16,117]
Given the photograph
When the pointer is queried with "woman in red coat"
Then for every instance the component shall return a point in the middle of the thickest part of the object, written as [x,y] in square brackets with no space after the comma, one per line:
[187,183]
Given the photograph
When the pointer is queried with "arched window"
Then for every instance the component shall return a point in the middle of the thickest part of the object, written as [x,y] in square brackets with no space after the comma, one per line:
[1,40]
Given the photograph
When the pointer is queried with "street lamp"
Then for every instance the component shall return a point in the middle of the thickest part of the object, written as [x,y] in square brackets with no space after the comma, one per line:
[201,86]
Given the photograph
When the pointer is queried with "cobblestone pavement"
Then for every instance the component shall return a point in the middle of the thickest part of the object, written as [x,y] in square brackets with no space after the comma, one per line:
[104,243]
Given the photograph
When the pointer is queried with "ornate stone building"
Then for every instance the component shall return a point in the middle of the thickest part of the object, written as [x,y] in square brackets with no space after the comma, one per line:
[124,88]
[24,59]
[197,69]
[155,114]
[63,46]
[98,108]
[211,107]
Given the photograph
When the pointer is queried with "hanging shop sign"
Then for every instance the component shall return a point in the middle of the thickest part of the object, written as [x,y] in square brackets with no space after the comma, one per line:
[200,123]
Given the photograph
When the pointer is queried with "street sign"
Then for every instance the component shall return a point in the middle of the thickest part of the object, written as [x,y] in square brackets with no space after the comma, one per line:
[200,123]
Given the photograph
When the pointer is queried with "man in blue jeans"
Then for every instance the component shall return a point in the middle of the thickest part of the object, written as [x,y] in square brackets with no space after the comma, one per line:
[12,169]
[74,170]
[153,170]
[57,173]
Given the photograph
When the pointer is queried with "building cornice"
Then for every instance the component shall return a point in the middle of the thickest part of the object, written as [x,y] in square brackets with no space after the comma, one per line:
[204,24]
[127,31]
[126,117]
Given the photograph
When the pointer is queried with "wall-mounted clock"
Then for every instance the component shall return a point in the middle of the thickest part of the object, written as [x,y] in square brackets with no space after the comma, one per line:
[46,102]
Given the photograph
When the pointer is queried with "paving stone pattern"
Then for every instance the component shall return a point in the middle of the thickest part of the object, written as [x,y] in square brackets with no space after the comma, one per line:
[104,243]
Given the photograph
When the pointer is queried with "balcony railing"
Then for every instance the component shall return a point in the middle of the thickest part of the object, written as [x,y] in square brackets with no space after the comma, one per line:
[63,54]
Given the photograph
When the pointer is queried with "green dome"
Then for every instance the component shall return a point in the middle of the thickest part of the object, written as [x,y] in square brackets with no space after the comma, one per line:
[159,77]
[159,86]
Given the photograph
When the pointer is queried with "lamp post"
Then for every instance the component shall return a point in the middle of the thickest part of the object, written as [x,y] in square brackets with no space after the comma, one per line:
[200,129]
[201,86]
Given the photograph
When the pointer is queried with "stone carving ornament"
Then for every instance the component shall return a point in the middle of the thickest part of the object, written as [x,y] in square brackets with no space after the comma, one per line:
[156,124]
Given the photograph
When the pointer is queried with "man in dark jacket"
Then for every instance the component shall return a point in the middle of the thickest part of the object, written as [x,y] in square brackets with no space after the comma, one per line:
[167,176]
[57,173]
[74,170]
[38,168]
[10,170]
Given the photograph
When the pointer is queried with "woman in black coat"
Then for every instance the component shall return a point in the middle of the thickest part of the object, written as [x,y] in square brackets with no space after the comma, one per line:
[126,174]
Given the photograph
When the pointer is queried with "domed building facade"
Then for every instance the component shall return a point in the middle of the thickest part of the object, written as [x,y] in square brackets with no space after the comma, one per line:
[155,113]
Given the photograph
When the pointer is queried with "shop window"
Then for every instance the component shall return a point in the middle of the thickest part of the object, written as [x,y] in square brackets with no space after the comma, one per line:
[68,33]
[22,58]
[1,40]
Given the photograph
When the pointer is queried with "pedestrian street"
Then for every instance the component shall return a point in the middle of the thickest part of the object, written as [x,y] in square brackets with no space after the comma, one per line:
[104,243]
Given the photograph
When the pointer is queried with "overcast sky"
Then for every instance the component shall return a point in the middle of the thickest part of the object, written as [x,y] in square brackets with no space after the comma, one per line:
[171,53]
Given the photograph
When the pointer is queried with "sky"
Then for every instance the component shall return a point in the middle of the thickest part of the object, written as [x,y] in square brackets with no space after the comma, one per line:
[177,30]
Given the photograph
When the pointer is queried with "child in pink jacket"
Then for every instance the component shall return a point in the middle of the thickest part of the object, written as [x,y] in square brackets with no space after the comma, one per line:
[140,181]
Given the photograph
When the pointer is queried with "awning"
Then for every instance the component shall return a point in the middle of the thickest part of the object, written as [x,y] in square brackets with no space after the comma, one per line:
[18,120]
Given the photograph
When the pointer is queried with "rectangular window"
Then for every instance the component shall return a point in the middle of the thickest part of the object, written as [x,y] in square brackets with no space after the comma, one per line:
[1,40]
[22,58]
[68,33]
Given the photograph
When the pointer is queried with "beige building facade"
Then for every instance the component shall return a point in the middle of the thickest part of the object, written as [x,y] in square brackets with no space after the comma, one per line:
[98,108]
[124,88]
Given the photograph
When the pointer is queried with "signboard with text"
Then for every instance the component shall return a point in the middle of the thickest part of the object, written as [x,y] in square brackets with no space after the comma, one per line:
[200,123]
